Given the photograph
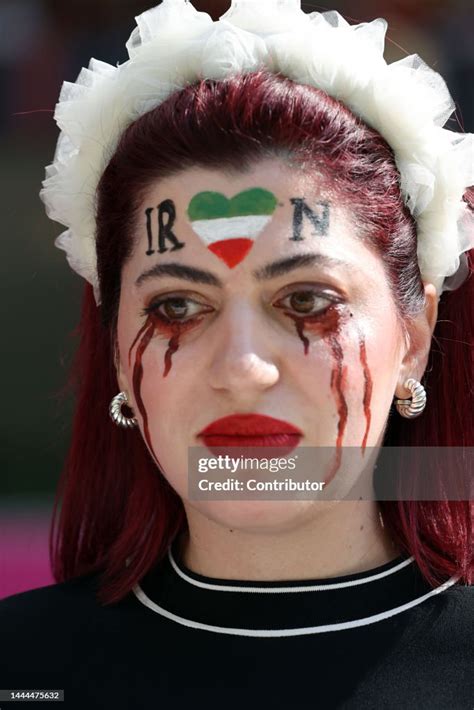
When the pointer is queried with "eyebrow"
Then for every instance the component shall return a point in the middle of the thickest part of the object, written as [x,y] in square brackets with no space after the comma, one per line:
[264,273]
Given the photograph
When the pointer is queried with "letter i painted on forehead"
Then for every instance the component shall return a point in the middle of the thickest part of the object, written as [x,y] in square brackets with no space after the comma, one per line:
[319,219]
[165,227]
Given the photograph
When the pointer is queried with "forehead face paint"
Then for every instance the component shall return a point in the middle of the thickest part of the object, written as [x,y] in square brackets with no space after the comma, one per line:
[319,217]
[166,216]
[229,226]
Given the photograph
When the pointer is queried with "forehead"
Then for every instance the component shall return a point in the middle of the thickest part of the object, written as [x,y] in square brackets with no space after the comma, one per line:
[273,173]
[280,211]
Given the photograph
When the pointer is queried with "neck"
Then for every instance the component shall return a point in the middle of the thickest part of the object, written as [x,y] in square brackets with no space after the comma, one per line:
[342,537]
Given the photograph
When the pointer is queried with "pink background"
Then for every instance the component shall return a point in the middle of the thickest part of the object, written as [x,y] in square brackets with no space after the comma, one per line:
[24,558]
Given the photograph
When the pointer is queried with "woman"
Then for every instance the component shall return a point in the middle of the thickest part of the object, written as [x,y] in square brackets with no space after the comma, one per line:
[262,276]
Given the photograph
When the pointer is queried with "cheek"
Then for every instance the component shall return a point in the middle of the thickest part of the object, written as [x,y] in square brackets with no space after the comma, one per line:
[166,412]
[348,375]
[157,398]
[170,334]
[377,368]
[146,353]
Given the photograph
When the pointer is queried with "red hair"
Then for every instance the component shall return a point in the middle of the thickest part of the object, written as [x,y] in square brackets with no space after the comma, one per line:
[118,513]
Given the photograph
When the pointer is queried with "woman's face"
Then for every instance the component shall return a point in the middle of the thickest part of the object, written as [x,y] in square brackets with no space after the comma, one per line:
[249,294]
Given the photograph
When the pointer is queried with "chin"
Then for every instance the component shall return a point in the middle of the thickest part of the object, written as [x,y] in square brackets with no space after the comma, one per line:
[254,516]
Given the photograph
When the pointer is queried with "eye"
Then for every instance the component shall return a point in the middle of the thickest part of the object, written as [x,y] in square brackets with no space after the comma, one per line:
[305,302]
[175,309]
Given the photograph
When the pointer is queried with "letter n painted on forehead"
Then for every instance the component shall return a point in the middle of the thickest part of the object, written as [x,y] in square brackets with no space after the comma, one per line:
[319,219]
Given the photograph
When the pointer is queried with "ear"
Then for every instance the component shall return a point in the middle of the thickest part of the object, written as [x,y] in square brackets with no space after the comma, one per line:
[122,380]
[419,333]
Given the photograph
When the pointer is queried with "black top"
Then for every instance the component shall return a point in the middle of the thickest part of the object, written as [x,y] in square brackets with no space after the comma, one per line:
[377,639]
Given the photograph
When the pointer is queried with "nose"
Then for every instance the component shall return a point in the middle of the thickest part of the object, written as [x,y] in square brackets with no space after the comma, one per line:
[242,363]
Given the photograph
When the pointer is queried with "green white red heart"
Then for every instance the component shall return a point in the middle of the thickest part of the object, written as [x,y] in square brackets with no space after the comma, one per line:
[229,226]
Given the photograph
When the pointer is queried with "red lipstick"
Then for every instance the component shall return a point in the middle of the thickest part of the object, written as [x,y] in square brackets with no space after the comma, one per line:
[251,430]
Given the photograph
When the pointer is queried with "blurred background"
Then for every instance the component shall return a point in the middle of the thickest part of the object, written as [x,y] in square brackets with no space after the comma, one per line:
[42,43]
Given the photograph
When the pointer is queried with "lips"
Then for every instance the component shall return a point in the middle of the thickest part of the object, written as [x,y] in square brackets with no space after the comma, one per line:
[250,430]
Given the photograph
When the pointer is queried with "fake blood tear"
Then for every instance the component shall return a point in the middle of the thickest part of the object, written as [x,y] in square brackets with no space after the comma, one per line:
[321,325]
[367,388]
[147,333]
[173,345]
[140,332]
[326,325]
[338,381]
[143,338]
[300,323]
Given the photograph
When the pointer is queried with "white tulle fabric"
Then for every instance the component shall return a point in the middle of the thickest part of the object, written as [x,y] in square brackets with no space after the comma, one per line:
[174,45]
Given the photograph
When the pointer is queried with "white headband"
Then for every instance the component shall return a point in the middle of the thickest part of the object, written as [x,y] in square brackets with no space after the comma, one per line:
[174,45]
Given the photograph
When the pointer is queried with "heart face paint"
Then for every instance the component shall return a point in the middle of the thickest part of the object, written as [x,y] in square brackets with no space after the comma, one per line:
[229,227]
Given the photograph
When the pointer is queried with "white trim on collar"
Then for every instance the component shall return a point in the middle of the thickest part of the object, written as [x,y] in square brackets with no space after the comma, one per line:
[276,590]
[272,633]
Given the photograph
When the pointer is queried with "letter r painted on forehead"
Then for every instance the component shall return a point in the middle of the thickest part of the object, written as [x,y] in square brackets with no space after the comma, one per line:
[319,220]
[167,209]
